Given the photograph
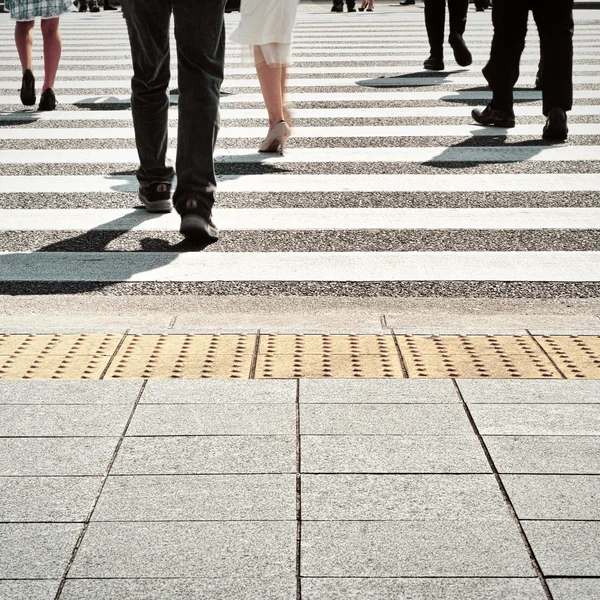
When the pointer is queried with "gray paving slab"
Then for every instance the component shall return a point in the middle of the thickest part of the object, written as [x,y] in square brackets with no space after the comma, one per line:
[28,590]
[184,549]
[63,421]
[213,419]
[251,391]
[280,588]
[382,419]
[55,456]
[212,454]
[529,391]
[392,454]
[36,550]
[565,548]
[47,499]
[568,589]
[421,589]
[401,498]
[413,549]
[569,497]
[545,454]
[198,498]
[69,392]
[376,391]
[537,419]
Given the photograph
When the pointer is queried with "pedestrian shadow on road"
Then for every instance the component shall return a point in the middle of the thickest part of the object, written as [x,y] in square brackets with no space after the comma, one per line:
[426,78]
[18,117]
[91,267]
[498,153]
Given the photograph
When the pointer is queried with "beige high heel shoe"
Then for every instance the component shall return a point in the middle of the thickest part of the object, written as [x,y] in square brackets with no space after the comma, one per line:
[276,138]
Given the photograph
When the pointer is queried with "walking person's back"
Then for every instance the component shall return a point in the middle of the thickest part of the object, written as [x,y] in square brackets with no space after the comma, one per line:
[200,37]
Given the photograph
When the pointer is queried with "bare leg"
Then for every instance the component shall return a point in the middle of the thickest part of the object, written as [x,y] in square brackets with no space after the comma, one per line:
[24,42]
[52,51]
[272,84]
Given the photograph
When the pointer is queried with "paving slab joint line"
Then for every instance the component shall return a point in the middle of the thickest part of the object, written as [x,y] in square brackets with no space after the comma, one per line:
[400,357]
[112,358]
[543,350]
[88,519]
[298,497]
[534,561]
[252,374]
[172,322]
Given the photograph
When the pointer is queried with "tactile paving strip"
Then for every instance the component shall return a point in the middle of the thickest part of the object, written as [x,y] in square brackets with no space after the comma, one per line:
[183,357]
[485,356]
[578,357]
[327,356]
[233,356]
[83,356]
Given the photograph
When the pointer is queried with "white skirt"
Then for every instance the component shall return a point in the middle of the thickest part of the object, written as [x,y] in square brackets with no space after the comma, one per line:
[268,24]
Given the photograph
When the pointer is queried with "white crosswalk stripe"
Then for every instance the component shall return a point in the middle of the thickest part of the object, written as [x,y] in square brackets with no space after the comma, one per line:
[388,186]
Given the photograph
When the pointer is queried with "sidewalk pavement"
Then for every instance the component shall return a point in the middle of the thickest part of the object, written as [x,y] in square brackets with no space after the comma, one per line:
[313,489]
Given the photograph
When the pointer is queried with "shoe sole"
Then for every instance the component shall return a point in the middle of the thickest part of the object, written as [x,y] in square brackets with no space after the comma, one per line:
[156,206]
[559,136]
[197,229]
[503,124]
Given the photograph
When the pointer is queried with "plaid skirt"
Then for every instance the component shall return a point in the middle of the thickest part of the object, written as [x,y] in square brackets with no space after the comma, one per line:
[27,10]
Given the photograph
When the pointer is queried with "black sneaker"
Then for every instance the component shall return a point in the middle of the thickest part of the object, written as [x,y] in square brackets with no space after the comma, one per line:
[82,5]
[195,227]
[492,116]
[156,198]
[48,100]
[461,53]
[28,88]
[556,125]
[94,6]
[407,2]
[434,63]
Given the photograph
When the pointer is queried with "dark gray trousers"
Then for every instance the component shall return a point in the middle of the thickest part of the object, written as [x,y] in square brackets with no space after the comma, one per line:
[200,37]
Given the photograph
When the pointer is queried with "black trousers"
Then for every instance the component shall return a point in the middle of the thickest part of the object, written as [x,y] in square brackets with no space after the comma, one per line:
[340,3]
[435,19]
[554,19]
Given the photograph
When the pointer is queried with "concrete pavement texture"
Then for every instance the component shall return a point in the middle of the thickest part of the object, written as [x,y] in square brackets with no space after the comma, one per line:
[315,489]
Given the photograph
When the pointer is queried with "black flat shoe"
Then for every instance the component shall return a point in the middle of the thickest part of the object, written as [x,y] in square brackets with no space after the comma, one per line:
[496,118]
[556,125]
[28,88]
[434,63]
[48,100]
[461,53]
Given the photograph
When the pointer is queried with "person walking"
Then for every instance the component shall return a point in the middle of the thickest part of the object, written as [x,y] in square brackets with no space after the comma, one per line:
[266,28]
[554,19]
[200,38]
[24,13]
[435,18]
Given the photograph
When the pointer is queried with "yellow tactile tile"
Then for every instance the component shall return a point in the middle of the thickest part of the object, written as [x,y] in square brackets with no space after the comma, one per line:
[59,345]
[183,356]
[505,357]
[285,344]
[578,357]
[289,366]
[52,367]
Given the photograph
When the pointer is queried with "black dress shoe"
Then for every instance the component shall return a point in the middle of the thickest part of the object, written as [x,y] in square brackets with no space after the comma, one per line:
[28,88]
[337,9]
[556,125]
[48,100]
[461,52]
[195,226]
[407,2]
[492,116]
[434,63]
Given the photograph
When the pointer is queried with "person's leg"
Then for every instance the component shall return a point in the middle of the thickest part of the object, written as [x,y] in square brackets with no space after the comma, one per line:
[458,23]
[148,26]
[555,18]
[24,43]
[52,51]
[200,35]
[502,70]
[435,18]
[272,85]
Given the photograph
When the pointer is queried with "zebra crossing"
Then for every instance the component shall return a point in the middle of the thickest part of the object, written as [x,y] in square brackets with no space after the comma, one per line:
[388,186]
